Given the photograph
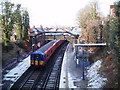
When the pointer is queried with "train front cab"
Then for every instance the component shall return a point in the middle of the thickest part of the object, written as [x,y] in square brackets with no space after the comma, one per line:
[37,59]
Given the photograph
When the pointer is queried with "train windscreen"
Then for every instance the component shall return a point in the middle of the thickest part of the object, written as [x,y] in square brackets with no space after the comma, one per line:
[37,57]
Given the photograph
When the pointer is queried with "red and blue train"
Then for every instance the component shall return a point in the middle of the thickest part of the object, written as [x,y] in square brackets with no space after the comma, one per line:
[41,56]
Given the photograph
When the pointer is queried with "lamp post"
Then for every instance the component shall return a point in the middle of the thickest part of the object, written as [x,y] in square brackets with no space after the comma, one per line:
[83,76]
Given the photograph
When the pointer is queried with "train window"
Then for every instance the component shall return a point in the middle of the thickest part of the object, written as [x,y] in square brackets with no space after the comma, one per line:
[41,57]
[37,56]
[51,51]
[34,57]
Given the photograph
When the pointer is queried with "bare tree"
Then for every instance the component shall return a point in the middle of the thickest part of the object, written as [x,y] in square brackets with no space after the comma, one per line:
[89,19]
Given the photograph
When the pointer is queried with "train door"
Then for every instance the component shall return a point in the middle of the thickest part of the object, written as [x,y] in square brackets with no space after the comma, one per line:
[32,59]
[41,61]
[36,58]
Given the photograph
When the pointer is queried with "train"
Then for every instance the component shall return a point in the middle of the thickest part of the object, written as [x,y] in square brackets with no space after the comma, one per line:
[42,55]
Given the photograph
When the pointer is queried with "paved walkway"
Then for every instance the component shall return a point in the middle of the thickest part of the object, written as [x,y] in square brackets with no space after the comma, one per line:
[71,76]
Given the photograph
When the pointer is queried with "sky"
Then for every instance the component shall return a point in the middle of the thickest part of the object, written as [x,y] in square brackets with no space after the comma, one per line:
[57,12]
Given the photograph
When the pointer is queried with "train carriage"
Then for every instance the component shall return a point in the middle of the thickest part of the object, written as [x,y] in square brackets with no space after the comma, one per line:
[42,55]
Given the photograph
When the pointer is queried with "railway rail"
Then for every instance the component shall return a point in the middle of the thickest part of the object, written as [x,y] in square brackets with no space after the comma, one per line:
[43,78]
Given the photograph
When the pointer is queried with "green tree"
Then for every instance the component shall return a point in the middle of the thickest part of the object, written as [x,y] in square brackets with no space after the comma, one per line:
[25,23]
[13,17]
[114,37]
[18,21]
[6,22]
[89,20]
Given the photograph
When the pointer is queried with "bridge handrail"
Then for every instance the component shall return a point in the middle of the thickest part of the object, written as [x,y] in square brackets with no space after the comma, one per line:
[91,44]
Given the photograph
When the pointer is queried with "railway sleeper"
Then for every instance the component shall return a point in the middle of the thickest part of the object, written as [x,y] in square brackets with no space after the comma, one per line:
[50,86]
[56,71]
[53,75]
[51,80]
[55,68]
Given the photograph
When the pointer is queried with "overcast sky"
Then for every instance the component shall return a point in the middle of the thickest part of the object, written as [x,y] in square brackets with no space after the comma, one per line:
[57,12]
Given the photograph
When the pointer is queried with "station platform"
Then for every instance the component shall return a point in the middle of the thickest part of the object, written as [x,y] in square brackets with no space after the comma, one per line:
[71,75]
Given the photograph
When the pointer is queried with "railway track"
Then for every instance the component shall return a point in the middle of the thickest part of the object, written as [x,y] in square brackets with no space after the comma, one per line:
[43,78]
[24,77]
[51,80]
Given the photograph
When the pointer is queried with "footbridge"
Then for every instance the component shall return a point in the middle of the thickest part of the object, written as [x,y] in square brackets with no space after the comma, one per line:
[90,45]
[53,35]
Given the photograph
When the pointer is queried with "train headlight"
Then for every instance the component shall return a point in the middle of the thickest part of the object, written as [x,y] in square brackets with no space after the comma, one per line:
[41,62]
[36,63]
[32,62]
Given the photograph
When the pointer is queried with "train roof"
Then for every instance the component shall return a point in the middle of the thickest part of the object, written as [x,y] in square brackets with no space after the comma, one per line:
[45,47]
[38,52]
